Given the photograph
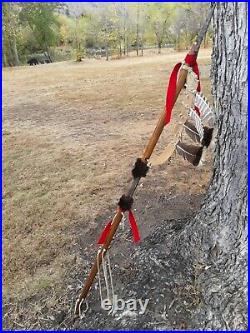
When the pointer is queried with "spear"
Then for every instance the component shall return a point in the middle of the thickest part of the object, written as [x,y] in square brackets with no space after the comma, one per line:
[145,157]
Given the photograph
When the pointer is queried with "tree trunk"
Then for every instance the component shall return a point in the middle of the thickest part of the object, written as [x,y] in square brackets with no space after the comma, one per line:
[217,238]
[127,48]
[47,52]
[159,47]
[124,38]
[137,30]
[106,47]
[120,48]
[177,45]
[15,53]
[124,46]
[4,56]
[4,59]
[10,58]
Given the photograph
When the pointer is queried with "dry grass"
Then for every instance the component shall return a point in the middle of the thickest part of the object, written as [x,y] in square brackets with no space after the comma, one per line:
[71,132]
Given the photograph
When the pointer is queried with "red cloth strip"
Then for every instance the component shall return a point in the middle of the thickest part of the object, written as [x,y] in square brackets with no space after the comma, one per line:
[104,233]
[197,110]
[171,92]
[134,227]
[190,60]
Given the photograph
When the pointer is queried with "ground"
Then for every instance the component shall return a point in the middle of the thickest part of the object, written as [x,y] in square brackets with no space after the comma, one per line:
[71,134]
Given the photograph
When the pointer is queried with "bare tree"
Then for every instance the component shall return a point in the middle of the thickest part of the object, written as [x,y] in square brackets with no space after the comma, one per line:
[221,227]
[217,238]
[137,28]
[10,18]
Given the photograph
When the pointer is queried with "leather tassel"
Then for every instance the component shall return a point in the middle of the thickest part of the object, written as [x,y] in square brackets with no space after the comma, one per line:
[190,153]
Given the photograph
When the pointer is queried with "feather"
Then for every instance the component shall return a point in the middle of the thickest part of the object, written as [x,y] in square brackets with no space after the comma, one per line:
[197,120]
[190,153]
[205,109]
[191,131]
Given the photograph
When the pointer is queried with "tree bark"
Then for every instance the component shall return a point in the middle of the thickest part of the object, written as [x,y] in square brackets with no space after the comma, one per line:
[217,238]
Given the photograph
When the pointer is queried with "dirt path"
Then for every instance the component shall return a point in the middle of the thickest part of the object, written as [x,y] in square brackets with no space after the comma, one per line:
[71,133]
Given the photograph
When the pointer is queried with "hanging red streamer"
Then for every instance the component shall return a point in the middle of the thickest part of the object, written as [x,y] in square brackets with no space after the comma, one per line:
[133,226]
[171,92]
[190,60]
[104,233]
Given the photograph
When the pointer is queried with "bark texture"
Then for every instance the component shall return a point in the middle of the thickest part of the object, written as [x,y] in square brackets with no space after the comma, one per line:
[217,238]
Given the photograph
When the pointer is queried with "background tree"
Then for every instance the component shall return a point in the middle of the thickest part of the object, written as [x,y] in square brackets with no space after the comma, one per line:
[122,26]
[42,21]
[159,17]
[188,18]
[10,31]
[109,34]
[140,17]
[31,28]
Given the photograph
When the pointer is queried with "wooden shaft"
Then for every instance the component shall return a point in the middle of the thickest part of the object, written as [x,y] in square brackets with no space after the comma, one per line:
[118,217]
[94,270]
[84,292]
[161,122]
[133,187]
[146,155]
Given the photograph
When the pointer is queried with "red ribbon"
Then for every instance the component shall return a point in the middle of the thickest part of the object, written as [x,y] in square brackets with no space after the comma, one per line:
[104,233]
[171,92]
[190,60]
[133,226]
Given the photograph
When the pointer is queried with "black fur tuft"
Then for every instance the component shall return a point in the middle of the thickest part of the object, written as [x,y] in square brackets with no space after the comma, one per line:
[125,203]
[208,135]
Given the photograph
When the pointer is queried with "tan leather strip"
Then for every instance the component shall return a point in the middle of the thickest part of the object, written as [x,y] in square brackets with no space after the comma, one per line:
[170,148]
